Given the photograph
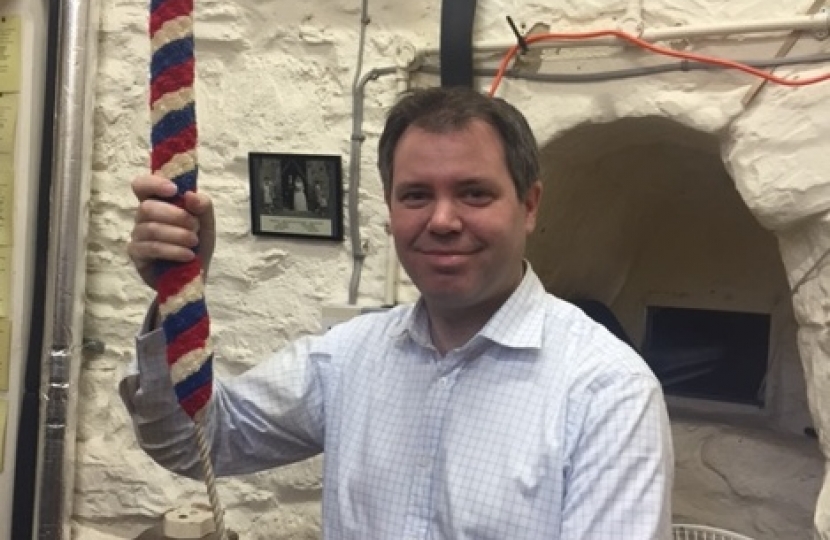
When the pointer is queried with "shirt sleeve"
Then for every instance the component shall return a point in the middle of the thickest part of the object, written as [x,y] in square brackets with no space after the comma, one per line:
[268,416]
[621,472]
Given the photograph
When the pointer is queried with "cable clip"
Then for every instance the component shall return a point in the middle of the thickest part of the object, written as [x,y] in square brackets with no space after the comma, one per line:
[519,37]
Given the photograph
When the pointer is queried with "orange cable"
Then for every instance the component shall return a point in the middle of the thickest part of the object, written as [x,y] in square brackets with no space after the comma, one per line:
[653,48]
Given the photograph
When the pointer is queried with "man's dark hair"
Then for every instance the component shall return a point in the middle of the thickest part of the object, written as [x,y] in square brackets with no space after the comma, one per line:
[446,109]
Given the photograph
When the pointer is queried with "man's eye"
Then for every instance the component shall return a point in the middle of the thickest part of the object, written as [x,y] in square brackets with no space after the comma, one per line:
[413,196]
[477,196]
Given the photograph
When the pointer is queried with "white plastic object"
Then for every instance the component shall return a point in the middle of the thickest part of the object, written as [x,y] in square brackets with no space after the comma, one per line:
[190,522]
[337,313]
[682,531]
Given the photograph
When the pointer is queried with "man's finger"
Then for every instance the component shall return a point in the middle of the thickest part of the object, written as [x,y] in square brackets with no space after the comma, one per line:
[201,206]
[147,252]
[155,211]
[154,231]
[149,186]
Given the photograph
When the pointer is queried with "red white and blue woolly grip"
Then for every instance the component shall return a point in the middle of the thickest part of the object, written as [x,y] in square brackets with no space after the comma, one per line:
[180,288]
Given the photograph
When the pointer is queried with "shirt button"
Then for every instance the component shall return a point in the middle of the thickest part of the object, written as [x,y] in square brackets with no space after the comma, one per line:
[444,382]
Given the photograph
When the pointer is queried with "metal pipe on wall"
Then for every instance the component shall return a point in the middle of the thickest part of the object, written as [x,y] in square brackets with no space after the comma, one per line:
[819,22]
[62,341]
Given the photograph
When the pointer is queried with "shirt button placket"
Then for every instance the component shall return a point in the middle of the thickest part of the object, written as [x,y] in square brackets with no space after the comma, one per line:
[421,502]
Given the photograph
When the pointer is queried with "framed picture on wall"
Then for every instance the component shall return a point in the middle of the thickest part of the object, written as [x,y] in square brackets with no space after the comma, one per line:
[296,195]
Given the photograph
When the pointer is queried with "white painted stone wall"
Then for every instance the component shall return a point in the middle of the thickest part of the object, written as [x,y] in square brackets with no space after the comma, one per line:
[276,76]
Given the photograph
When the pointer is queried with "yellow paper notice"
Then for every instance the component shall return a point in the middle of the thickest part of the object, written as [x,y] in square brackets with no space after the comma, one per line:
[6,204]
[4,412]
[5,345]
[8,122]
[6,169]
[5,276]
[9,53]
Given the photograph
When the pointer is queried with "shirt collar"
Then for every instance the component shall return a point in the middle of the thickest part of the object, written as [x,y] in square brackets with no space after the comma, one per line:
[518,323]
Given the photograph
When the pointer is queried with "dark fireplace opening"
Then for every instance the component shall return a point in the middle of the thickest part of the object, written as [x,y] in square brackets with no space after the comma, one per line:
[708,354]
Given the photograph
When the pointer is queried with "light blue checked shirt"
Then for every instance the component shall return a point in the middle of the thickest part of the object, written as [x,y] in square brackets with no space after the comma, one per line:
[543,426]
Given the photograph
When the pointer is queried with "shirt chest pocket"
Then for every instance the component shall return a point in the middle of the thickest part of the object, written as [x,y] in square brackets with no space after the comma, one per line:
[504,483]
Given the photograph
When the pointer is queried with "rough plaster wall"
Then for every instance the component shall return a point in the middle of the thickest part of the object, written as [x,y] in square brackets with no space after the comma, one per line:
[276,76]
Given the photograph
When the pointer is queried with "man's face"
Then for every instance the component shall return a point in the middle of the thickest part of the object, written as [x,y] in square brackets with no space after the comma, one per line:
[459,226]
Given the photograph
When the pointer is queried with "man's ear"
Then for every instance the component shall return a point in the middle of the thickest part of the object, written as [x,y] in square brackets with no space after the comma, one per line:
[531,203]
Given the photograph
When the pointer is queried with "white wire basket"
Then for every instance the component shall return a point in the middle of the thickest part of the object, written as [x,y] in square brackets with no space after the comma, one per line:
[701,532]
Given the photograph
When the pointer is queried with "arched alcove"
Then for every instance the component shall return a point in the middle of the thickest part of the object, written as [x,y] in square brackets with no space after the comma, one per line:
[640,214]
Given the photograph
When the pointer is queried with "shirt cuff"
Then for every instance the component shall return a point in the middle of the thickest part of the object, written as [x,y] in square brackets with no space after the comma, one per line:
[147,379]
[150,346]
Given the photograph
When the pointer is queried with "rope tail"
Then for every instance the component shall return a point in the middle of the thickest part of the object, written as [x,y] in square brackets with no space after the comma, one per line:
[180,286]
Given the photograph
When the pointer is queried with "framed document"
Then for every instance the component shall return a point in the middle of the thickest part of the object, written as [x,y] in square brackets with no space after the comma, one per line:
[296,195]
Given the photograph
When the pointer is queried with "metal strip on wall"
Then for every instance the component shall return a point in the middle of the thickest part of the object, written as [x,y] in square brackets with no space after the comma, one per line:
[457,17]
[64,305]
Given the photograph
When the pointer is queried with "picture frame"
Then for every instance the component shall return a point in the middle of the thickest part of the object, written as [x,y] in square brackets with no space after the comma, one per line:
[296,195]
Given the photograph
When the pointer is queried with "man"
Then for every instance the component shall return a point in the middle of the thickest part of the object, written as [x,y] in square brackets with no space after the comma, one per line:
[489,410]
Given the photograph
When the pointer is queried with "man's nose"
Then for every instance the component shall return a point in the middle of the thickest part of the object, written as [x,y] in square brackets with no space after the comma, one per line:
[445,217]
